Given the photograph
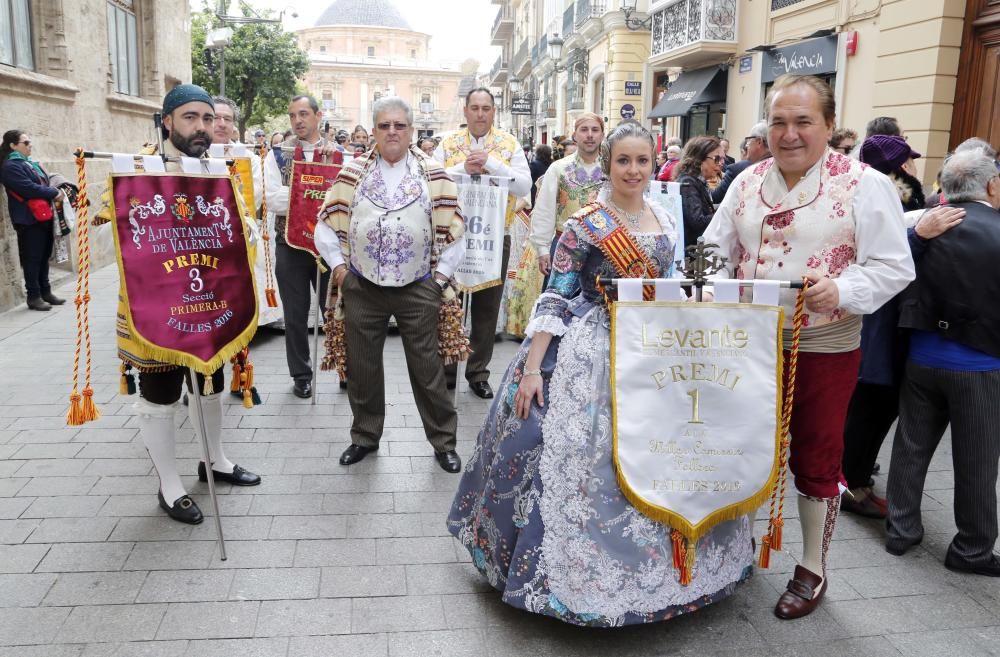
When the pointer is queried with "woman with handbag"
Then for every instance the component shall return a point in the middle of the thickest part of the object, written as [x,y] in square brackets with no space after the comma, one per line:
[29,199]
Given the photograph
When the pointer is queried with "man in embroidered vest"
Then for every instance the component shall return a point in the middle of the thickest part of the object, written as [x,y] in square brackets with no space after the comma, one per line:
[810,211]
[188,121]
[391,230]
[480,149]
[295,269]
[568,185]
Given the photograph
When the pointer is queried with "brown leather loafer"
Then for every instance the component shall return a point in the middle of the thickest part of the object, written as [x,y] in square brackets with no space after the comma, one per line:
[803,595]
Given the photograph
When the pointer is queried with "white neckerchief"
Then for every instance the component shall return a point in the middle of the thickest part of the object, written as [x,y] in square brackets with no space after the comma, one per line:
[393,174]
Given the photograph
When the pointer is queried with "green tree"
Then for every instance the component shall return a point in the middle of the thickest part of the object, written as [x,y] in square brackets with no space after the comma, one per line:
[263,65]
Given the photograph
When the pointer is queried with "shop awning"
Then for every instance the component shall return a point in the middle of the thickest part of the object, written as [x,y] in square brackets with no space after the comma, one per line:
[703,85]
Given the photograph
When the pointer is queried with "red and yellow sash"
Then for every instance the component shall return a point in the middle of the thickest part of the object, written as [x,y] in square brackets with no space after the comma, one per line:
[618,245]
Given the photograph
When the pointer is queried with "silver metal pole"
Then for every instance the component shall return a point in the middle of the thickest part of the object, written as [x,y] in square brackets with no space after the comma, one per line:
[315,359]
[467,327]
[195,398]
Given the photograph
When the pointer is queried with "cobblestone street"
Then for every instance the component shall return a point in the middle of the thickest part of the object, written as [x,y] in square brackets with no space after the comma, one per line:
[326,560]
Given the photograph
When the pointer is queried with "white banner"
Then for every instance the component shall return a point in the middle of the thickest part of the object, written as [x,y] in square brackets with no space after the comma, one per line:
[484,203]
[668,196]
[696,407]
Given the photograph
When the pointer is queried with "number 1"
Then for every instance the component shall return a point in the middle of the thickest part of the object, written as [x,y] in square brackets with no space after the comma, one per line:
[695,396]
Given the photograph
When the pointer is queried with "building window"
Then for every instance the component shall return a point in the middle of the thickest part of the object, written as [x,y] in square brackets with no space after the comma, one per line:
[15,34]
[599,96]
[322,48]
[371,51]
[376,95]
[781,4]
[413,53]
[123,48]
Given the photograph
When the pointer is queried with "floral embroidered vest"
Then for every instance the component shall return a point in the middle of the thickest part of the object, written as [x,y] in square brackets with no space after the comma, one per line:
[577,188]
[784,235]
[391,236]
[501,145]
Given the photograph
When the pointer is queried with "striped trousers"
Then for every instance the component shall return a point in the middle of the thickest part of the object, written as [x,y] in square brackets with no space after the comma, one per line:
[929,400]
[367,308]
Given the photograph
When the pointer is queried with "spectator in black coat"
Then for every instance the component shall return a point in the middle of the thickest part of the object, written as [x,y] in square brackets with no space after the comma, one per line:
[24,181]
[702,161]
[757,150]
[538,166]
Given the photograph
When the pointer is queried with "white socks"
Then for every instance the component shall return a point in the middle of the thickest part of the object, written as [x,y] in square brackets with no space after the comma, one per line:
[156,426]
[212,409]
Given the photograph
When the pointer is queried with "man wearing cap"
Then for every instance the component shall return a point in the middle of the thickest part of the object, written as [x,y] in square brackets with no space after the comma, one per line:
[188,125]
[294,269]
[812,212]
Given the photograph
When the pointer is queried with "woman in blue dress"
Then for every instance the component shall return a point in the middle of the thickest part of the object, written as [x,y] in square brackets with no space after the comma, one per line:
[539,507]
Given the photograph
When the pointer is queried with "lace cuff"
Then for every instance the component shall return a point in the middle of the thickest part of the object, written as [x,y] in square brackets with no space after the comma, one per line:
[546,324]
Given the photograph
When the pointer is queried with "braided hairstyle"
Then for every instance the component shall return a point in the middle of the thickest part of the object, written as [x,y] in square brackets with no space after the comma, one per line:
[623,131]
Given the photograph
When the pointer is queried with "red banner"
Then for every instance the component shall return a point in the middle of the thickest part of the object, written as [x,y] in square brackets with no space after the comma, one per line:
[184,261]
[306,189]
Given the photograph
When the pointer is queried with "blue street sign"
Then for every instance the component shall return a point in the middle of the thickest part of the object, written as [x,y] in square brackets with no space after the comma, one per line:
[628,111]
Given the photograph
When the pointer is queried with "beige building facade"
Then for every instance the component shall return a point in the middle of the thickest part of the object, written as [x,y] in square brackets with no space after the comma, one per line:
[883,58]
[85,73]
[361,50]
[561,58]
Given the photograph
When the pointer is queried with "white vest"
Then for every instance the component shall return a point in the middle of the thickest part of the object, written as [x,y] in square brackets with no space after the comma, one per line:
[810,228]
[391,236]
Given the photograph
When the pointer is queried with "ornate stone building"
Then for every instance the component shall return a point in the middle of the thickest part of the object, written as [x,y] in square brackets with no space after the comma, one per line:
[84,73]
[360,50]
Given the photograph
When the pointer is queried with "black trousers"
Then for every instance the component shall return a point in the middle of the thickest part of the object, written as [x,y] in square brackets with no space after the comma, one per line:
[164,388]
[870,415]
[295,271]
[34,246]
[930,399]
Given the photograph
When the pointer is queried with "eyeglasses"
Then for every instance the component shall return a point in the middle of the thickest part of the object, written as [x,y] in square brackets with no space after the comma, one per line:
[23,143]
[398,125]
[846,150]
[718,159]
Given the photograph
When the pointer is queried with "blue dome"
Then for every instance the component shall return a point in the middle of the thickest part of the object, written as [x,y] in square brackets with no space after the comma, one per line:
[375,13]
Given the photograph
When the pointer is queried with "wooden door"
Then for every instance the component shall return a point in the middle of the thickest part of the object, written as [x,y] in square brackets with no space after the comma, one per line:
[977,93]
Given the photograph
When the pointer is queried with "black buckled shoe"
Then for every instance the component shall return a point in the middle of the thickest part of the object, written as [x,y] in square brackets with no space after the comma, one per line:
[481,389]
[238,477]
[303,389]
[355,453]
[449,461]
[184,509]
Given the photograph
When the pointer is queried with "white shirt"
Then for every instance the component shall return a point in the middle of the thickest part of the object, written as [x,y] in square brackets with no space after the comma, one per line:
[518,169]
[328,244]
[277,192]
[543,215]
[883,266]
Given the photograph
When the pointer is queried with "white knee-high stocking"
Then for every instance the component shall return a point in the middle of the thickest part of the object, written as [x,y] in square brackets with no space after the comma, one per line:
[156,426]
[818,517]
[212,408]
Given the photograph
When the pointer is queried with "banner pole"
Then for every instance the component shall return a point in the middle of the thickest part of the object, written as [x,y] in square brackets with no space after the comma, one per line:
[195,398]
[315,358]
[467,327]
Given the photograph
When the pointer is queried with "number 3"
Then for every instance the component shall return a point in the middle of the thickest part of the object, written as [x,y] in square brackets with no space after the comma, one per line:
[196,283]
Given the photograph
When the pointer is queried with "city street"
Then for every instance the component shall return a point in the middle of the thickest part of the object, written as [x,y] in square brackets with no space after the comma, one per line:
[326,560]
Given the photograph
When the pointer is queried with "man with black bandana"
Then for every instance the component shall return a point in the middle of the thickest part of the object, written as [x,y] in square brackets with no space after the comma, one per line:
[188,119]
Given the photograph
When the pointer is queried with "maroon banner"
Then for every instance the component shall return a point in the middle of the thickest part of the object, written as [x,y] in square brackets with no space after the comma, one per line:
[306,190]
[185,267]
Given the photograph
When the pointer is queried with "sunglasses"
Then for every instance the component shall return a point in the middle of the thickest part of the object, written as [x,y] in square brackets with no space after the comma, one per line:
[399,126]
[23,143]
[846,150]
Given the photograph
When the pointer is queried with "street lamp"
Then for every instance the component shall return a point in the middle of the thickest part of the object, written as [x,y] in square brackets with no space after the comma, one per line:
[629,7]
[515,86]
[555,50]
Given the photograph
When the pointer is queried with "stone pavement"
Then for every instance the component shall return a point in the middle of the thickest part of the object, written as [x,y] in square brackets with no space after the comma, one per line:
[329,561]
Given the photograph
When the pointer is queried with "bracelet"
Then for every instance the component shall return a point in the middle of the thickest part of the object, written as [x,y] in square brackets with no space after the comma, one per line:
[525,373]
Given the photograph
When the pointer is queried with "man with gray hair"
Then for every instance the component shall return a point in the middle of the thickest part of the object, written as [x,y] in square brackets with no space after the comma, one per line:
[953,372]
[391,230]
[757,150]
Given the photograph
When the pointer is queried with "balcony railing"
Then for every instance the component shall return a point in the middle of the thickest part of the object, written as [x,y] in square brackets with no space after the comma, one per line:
[521,58]
[587,9]
[499,72]
[503,26]
[568,24]
[688,21]
[543,47]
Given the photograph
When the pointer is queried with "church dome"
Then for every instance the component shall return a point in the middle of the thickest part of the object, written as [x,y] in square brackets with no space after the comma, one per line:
[374,13]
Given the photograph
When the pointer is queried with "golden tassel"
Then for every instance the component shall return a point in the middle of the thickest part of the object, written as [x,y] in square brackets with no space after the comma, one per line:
[74,417]
[207,389]
[89,411]
[687,572]
[272,299]
[247,383]
[234,386]
[122,381]
[776,529]
[765,552]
